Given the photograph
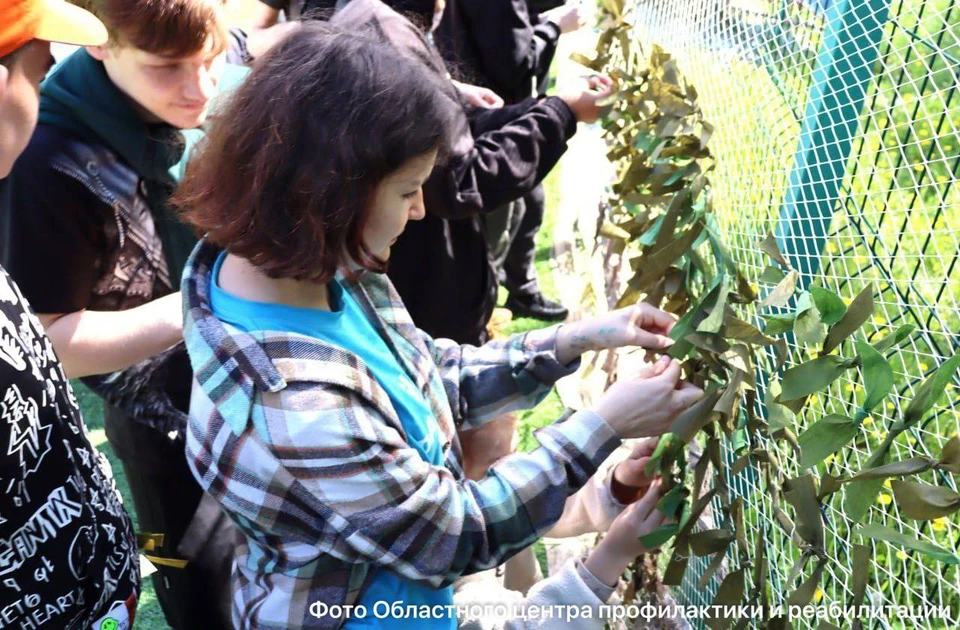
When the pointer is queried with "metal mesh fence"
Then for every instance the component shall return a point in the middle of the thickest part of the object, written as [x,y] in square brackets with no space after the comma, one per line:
[838,127]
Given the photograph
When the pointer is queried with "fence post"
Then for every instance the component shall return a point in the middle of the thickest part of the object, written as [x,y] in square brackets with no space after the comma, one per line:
[844,68]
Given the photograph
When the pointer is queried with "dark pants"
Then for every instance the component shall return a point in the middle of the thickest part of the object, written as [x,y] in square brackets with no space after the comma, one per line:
[512,233]
[166,498]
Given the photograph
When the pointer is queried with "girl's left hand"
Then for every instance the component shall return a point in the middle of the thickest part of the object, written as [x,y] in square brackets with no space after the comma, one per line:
[621,545]
[638,325]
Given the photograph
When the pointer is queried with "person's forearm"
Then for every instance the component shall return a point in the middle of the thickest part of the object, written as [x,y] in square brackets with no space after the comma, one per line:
[504,164]
[605,332]
[263,16]
[590,510]
[605,565]
[571,342]
[100,342]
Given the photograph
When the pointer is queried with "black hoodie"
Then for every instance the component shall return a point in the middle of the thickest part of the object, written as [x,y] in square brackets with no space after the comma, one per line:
[497,44]
[440,265]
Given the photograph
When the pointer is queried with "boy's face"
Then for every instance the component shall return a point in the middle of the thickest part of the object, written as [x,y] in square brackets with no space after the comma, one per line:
[20,100]
[174,90]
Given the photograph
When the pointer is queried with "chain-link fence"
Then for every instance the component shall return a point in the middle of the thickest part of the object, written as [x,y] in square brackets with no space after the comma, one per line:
[838,129]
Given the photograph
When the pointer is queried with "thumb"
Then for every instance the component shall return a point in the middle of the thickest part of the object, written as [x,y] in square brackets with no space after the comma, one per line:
[653,341]
[687,394]
[671,374]
[650,370]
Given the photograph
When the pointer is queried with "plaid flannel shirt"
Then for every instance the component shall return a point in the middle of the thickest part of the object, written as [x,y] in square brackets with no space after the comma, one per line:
[302,447]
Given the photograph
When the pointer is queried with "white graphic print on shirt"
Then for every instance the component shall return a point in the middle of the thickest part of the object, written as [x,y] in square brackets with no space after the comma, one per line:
[67,548]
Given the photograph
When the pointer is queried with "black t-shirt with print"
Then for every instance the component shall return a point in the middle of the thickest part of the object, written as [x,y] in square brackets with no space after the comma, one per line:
[68,553]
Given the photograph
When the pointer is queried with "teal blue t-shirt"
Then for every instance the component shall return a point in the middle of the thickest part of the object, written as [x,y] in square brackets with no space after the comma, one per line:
[348,328]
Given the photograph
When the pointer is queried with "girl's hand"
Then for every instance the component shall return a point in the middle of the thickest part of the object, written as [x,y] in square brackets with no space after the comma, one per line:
[479,96]
[646,404]
[638,325]
[584,96]
[620,546]
[566,17]
[629,479]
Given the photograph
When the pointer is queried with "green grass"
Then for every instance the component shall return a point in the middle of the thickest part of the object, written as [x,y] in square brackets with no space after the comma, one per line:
[551,408]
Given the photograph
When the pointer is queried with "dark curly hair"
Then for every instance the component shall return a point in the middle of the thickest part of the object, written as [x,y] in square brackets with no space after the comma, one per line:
[287,172]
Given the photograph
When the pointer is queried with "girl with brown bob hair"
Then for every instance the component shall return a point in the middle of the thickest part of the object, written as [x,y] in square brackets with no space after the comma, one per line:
[323,421]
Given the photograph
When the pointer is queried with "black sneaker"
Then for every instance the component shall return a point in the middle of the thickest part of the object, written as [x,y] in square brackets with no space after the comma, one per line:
[536,306]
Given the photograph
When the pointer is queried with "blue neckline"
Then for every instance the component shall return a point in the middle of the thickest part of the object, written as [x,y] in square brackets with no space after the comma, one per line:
[269,314]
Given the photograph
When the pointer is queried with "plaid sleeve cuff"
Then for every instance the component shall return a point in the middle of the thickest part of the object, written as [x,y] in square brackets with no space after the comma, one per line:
[585,439]
[541,363]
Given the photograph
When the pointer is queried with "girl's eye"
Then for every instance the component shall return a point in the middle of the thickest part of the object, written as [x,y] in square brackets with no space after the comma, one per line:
[410,195]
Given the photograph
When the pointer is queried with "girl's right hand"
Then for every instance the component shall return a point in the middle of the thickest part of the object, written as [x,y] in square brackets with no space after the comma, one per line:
[645,405]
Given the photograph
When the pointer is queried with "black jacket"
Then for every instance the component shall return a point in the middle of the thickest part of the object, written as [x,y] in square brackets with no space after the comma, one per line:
[496,44]
[441,265]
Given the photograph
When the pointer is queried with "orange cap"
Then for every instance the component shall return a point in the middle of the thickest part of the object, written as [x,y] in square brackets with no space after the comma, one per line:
[49,20]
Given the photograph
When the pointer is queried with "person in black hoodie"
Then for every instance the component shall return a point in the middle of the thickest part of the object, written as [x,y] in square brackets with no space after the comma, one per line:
[267,12]
[94,247]
[498,45]
[441,265]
